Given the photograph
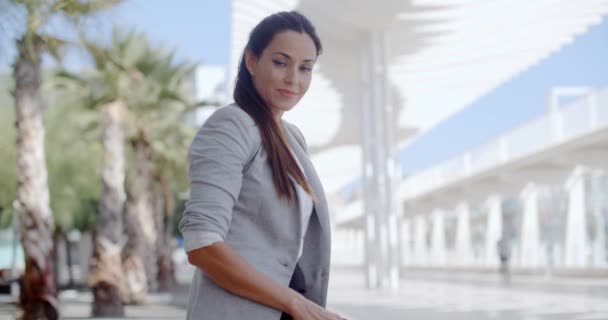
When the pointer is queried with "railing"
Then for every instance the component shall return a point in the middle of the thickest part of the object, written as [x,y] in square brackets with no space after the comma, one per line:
[577,118]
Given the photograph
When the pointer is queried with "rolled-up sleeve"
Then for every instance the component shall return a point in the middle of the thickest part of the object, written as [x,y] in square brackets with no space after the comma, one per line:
[222,147]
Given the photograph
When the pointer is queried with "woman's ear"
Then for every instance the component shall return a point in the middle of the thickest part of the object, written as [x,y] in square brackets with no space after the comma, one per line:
[250,61]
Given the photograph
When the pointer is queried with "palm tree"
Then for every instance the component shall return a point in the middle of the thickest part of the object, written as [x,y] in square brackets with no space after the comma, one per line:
[169,164]
[165,140]
[74,167]
[147,87]
[110,89]
[156,119]
[38,298]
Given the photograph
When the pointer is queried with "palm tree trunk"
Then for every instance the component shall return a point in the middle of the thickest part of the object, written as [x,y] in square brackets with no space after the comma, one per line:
[141,230]
[106,278]
[135,273]
[166,269]
[146,212]
[38,298]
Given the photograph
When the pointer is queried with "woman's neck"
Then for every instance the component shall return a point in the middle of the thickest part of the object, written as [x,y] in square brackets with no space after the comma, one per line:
[277,116]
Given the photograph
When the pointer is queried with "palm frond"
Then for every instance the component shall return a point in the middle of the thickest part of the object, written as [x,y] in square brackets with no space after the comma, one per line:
[70,76]
[55,46]
[80,8]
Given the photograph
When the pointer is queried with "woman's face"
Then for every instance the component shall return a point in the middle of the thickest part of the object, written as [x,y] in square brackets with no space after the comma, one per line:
[282,73]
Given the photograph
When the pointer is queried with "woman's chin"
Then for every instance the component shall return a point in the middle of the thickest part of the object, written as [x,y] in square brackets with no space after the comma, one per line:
[283,107]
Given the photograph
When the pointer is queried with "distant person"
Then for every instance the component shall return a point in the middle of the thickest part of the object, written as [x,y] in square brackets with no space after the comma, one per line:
[503,247]
[257,225]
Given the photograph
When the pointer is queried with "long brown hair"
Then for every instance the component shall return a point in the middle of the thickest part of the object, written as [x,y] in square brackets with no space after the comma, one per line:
[247,97]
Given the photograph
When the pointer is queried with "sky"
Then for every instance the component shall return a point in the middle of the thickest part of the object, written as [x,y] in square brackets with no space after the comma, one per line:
[198,30]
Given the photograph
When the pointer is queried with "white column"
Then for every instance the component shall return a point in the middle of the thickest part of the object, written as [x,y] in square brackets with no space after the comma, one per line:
[346,245]
[381,167]
[464,247]
[338,247]
[352,245]
[379,161]
[558,254]
[493,230]
[530,235]
[420,246]
[360,247]
[370,182]
[391,166]
[406,241]
[599,243]
[355,247]
[576,233]
[438,246]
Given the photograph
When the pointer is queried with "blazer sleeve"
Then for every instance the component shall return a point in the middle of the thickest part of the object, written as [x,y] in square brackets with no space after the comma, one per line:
[222,148]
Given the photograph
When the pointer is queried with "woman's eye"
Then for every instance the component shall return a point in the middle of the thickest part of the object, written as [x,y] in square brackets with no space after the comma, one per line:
[279,63]
[306,69]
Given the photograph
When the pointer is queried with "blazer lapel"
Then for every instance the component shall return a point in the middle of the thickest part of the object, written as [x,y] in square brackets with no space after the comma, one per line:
[320,204]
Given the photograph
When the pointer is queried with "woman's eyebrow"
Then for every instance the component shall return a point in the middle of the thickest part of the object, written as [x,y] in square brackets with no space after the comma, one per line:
[289,57]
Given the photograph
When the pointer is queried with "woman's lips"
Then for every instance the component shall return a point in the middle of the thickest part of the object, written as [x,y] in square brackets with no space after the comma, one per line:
[287,93]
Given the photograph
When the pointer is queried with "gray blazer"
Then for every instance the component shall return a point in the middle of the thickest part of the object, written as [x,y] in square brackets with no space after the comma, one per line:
[232,194]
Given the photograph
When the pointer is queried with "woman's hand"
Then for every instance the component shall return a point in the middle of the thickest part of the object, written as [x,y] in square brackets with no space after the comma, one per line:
[304,309]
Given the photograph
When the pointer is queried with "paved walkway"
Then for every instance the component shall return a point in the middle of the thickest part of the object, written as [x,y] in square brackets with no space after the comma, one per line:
[77,305]
[423,295]
[455,296]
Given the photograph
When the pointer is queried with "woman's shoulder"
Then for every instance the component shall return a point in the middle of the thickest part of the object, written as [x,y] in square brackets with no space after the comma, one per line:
[234,118]
[231,113]
[228,125]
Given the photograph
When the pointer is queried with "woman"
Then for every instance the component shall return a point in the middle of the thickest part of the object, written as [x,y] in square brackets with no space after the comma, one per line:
[256,225]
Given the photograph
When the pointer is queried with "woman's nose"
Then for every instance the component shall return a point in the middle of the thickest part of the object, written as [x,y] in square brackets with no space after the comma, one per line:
[291,76]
